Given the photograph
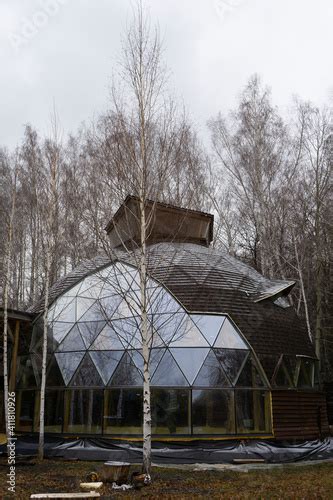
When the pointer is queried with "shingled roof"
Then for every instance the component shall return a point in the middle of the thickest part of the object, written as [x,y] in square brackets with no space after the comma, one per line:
[208,280]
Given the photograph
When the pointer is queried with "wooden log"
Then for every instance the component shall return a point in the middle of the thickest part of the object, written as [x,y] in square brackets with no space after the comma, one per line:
[91,486]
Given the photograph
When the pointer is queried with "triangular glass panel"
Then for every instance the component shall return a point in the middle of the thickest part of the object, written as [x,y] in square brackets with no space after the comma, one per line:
[122,280]
[154,294]
[168,325]
[127,331]
[94,313]
[137,357]
[168,373]
[122,269]
[106,362]
[124,310]
[59,306]
[211,373]
[190,360]
[59,330]
[250,376]
[90,330]
[87,375]
[283,378]
[209,325]
[155,356]
[162,302]
[231,361]
[72,342]
[52,344]
[82,306]
[306,373]
[155,341]
[107,340]
[109,306]
[68,313]
[229,338]
[74,291]
[90,282]
[188,335]
[92,292]
[68,363]
[290,362]
[53,374]
[126,373]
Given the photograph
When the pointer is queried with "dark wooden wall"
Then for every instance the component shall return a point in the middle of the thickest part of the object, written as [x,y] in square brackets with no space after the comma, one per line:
[329,396]
[299,415]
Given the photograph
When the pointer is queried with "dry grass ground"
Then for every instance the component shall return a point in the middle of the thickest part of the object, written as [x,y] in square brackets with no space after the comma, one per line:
[292,482]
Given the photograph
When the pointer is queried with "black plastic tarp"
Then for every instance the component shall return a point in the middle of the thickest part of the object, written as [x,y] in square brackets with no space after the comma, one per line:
[182,452]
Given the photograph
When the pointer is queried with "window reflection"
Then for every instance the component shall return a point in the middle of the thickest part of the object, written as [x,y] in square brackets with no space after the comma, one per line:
[54,410]
[25,373]
[123,411]
[83,411]
[213,412]
[25,411]
[170,411]
[252,411]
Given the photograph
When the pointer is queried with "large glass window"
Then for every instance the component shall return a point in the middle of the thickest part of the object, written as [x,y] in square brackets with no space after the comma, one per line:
[25,411]
[170,411]
[252,411]
[25,373]
[83,410]
[54,411]
[213,412]
[123,411]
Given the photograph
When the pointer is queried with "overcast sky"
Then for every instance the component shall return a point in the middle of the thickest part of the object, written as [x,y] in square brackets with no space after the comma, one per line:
[64,50]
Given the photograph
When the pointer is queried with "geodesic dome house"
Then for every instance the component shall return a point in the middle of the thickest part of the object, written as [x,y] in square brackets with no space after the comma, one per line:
[228,355]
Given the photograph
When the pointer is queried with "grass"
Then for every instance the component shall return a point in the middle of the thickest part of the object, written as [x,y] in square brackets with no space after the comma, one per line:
[292,482]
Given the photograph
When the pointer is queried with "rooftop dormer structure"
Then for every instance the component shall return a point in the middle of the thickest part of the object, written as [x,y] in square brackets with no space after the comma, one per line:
[166,223]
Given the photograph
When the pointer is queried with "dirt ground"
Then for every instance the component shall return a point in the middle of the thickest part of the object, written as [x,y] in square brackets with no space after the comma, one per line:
[306,482]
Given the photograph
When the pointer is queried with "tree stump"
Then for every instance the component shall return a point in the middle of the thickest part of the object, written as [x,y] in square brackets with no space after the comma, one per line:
[115,472]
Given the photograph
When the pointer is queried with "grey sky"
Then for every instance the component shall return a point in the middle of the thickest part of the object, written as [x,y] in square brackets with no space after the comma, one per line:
[65,50]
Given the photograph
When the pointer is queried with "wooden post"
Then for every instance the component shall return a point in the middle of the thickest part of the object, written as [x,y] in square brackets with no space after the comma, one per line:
[12,382]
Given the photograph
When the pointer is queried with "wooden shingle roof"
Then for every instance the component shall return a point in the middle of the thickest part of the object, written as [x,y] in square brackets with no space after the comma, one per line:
[210,281]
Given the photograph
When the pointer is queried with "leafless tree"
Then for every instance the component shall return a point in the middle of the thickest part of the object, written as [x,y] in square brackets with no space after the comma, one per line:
[50,208]
[6,291]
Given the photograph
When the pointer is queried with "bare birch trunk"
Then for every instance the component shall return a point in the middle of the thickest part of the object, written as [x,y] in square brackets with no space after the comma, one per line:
[5,300]
[301,280]
[51,211]
[145,347]
[44,360]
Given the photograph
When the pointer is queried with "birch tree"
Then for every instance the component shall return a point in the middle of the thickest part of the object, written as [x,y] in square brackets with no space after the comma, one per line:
[50,209]
[150,135]
[7,277]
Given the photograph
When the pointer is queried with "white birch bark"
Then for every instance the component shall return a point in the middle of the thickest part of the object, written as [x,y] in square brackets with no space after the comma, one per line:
[305,301]
[6,296]
[51,209]
[44,358]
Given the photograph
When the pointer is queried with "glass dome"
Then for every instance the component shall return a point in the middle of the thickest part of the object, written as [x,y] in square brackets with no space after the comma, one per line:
[205,377]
